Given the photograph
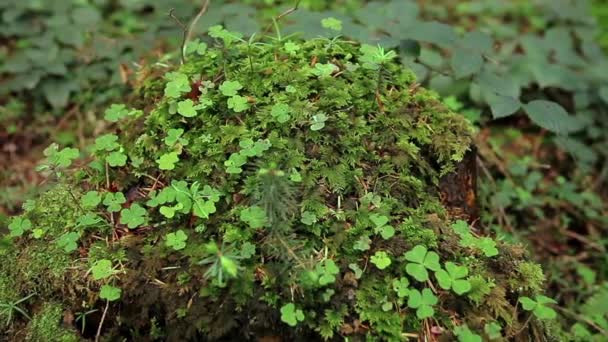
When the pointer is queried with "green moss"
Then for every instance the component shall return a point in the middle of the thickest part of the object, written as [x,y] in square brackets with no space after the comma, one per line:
[47,325]
[530,277]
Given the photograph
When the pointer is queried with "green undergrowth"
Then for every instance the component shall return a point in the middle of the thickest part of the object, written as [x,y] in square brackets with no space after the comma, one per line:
[277,186]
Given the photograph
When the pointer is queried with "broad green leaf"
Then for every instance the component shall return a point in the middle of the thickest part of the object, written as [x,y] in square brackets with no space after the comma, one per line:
[116,159]
[18,226]
[68,241]
[433,32]
[465,62]
[110,293]
[552,117]
[381,259]
[176,240]
[332,24]
[280,112]
[186,108]
[102,269]
[230,88]
[134,216]
[291,315]
[167,161]
[238,103]
[503,106]
[107,142]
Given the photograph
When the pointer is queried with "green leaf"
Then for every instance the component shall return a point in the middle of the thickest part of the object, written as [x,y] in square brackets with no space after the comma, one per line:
[324,69]
[238,103]
[417,271]
[114,200]
[176,240]
[174,136]
[477,41]
[318,122]
[292,48]
[68,241]
[116,112]
[363,243]
[493,330]
[527,303]
[229,265]
[280,112]
[378,220]
[102,269]
[465,62]
[401,286]
[423,302]
[18,226]
[106,142]
[61,158]
[503,106]
[332,24]
[433,32]
[417,254]
[254,216]
[177,85]
[466,335]
[110,293]
[116,159]
[230,88]
[552,117]
[134,216]
[308,218]
[186,108]
[226,36]
[167,161]
[291,315]
[381,259]
[327,272]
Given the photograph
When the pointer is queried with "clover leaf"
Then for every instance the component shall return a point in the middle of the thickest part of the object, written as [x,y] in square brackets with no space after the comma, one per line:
[381,259]
[167,161]
[110,293]
[291,315]
[485,244]
[116,112]
[238,103]
[318,122]
[451,278]
[308,218]
[186,108]
[68,241]
[421,260]
[90,200]
[177,85]
[197,46]
[423,302]
[280,112]
[380,223]
[401,286]
[176,240]
[254,216]
[61,158]
[466,335]
[134,216]
[219,32]
[114,200]
[18,226]
[102,269]
[291,48]
[174,136]
[327,272]
[493,330]
[106,142]
[363,243]
[538,306]
[230,88]
[332,24]
[116,159]
[324,70]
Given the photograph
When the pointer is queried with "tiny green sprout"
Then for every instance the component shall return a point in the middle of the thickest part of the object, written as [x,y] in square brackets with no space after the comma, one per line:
[327,272]
[174,136]
[401,286]
[167,161]
[374,57]
[380,226]
[177,85]
[106,142]
[222,261]
[308,218]
[420,260]
[493,330]
[238,103]
[295,176]
[116,159]
[291,48]
[423,302]
[254,216]
[228,37]
[90,200]
[363,244]
[116,112]
[280,112]
[318,122]
[539,307]
[18,226]
[110,293]
[465,334]
[291,315]
[114,201]
[134,216]
[452,278]
[195,46]
[485,244]
[9,308]
[381,259]
[176,240]
[102,269]
[68,241]
[60,158]
[324,70]
[230,88]
[332,24]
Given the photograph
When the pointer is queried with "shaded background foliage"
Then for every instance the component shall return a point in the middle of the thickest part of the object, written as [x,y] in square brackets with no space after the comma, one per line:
[544,166]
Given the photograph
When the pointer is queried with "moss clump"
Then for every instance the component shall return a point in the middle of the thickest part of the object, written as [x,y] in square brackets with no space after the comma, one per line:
[47,325]
[281,187]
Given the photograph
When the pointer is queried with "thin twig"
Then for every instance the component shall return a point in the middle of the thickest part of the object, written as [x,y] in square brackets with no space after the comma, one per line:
[184,35]
[280,16]
[103,317]
[195,20]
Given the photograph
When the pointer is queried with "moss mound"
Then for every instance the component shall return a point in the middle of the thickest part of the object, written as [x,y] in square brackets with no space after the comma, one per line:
[273,188]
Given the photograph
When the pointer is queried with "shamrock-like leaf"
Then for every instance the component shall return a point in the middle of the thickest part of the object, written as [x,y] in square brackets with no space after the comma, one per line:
[18,226]
[102,269]
[247,250]
[177,85]
[401,286]
[318,122]
[90,200]
[308,218]
[493,330]
[280,112]
[174,136]
[327,272]
[466,335]
[116,159]
[363,243]
[196,46]
[68,241]
[539,307]
[324,70]
[110,293]
[451,278]
[167,161]
[230,88]
[292,48]
[116,112]
[332,24]
[134,216]
[381,259]
[61,158]
[106,142]
[238,103]
[380,223]
[176,240]
[423,302]
[114,200]
[420,260]
[219,32]
[291,315]
[254,216]
[186,108]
